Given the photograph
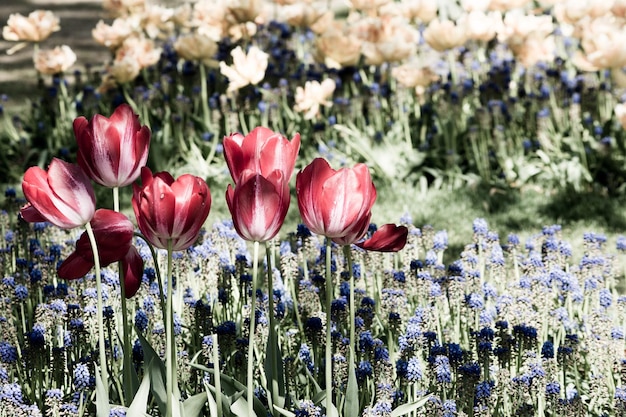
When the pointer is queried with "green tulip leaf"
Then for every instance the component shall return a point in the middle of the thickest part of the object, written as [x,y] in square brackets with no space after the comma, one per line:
[351,405]
[140,401]
[157,371]
[194,405]
[405,409]
[103,408]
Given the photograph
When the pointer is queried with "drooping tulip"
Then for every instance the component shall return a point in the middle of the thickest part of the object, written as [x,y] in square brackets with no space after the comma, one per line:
[113,232]
[388,238]
[262,151]
[258,205]
[132,265]
[112,150]
[336,203]
[170,210]
[63,195]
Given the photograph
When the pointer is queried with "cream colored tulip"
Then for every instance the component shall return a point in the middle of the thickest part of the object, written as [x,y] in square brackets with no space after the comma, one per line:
[124,70]
[414,75]
[505,5]
[422,11]
[475,5]
[246,68]
[572,11]
[480,26]
[37,27]
[113,35]
[386,39]
[123,7]
[312,96]
[157,21]
[444,34]
[141,49]
[196,47]
[336,48]
[54,61]
[604,42]
[518,26]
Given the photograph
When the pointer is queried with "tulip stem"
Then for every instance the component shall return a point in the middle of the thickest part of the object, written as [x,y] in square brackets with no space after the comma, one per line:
[329,358]
[170,364]
[126,373]
[273,337]
[99,316]
[255,271]
[348,254]
[157,270]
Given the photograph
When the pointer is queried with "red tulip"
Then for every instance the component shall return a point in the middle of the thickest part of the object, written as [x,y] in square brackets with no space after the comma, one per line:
[336,204]
[63,195]
[113,150]
[171,210]
[262,151]
[113,232]
[132,264]
[388,238]
[258,205]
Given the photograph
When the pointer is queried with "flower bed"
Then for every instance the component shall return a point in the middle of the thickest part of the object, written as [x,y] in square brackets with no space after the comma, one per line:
[340,317]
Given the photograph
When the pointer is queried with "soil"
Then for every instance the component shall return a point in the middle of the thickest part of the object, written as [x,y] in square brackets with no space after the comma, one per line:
[77,19]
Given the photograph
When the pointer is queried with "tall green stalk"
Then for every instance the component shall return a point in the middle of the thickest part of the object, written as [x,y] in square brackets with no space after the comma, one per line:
[250,380]
[99,316]
[170,363]
[329,356]
[127,371]
[348,253]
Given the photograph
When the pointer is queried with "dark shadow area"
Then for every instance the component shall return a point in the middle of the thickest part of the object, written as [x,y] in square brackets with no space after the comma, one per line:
[569,206]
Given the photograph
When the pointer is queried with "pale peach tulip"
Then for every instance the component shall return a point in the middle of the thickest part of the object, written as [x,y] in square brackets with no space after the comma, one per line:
[210,18]
[604,42]
[54,61]
[414,75]
[386,39]
[157,22]
[475,5]
[246,68]
[518,26]
[305,15]
[337,49]
[37,27]
[480,26]
[113,35]
[420,10]
[196,47]
[141,49]
[367,5]
[122,71]
[444,34]
[619,8]
[123,7]
[504,5]
[535,50]
[313,95]
[572,11]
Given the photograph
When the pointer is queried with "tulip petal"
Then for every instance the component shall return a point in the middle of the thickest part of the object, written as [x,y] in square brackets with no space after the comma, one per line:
[132,265]
[259,205]
[388,238]
[31,215]
[74,266]
[309,185]
[63,195]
